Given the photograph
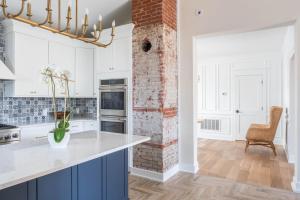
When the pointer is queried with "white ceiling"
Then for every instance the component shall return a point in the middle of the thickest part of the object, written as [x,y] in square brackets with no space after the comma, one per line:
[109,9]
[269,40]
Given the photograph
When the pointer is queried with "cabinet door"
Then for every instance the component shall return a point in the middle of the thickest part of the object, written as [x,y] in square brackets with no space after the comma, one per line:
[84,72]
[76,127]
[117,173]
[62,57]
[91,126]
[122,49]
[31,56]
[56,186]
[104,61]
[90,180]
[18,192]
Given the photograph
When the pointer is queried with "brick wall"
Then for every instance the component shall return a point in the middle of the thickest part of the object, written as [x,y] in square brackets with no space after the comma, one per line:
[146,12]
[155,84]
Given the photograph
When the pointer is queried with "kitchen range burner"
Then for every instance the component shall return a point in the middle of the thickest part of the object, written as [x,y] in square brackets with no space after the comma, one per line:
[9,134]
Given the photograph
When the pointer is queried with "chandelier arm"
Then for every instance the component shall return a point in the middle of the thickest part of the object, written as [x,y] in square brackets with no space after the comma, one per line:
[45,21]
[100,44]
[59,15]
[9,15]
[49,10]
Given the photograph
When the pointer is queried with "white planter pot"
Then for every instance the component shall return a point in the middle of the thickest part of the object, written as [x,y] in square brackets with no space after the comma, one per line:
[63,144]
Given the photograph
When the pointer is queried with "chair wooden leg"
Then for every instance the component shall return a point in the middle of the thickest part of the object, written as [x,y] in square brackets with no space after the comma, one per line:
[247,145]
[273,148]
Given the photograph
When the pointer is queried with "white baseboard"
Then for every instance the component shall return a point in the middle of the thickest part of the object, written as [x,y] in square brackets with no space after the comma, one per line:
[295,185]
[278,141]
[189,168]
[215,136]
[156,176]
[291,159]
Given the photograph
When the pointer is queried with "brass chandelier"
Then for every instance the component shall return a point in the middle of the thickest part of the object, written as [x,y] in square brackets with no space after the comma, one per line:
[79,33]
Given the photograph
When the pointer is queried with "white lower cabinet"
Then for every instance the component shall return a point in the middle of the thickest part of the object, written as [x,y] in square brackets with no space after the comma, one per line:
[91,125]
[41,131]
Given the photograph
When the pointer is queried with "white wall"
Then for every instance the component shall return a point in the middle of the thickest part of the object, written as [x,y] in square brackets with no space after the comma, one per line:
[296,180]
[288,76]
[223,106]
[218,17]
[225,54]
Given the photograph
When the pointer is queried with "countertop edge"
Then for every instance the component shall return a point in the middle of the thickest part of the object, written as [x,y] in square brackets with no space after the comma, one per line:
[71,164]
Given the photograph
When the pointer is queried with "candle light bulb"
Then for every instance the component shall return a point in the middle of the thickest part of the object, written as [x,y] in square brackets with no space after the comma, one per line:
[95,27]
[113,23]
[69,3]
[100,18]
[87,11]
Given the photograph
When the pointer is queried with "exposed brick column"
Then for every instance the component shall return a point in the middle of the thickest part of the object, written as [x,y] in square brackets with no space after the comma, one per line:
[155,84]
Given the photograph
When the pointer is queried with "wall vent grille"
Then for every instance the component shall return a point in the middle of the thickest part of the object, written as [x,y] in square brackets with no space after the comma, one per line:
[211,124]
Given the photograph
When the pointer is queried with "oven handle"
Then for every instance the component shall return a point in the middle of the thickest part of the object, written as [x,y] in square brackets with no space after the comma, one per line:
[113,119]
[113,88]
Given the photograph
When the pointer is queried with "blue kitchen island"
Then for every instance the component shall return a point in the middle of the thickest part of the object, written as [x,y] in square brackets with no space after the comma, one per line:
[93,167]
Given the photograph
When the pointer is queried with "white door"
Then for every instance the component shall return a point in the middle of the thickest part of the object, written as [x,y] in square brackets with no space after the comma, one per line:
[84,72]
[249,100]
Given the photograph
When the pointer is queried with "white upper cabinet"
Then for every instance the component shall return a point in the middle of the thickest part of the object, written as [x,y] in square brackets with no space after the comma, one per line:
[30,50]
[84,72]
[118,56]
[30,57]
[104,59]
[62,58]
[122,54]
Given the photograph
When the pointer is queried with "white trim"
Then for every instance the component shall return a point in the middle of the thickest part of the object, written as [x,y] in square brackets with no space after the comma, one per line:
[215,136]
[295,185]
[155,176]
[291,159]
[193,169]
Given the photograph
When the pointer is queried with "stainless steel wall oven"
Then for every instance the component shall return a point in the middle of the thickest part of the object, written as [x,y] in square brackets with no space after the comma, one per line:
[113,105]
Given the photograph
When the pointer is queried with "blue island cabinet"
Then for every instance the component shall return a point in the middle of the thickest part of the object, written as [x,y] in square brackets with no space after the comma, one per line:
[104,178]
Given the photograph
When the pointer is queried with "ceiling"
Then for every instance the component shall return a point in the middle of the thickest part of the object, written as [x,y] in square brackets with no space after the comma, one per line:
[268,40]
[120,10]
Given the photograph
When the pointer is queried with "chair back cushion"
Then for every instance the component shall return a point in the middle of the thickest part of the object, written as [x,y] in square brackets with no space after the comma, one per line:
[275,115]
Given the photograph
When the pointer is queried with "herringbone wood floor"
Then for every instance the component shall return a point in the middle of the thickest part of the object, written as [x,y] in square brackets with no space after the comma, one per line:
[243,176]
[185,186]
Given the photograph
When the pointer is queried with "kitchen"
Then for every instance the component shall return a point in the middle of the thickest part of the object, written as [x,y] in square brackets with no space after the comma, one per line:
[96,109]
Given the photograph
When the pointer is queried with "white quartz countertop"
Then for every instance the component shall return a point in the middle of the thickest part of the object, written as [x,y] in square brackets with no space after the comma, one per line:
[28,160]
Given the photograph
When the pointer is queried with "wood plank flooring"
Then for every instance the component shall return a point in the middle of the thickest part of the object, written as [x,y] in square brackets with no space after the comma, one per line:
[258,166]
[226,173]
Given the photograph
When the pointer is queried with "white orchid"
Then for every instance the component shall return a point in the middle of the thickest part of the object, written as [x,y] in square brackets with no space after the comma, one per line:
[50,77]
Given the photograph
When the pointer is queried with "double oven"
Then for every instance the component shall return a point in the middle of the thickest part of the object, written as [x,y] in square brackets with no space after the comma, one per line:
[113,95]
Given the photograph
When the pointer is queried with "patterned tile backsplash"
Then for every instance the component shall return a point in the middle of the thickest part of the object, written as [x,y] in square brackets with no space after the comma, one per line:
[34,110]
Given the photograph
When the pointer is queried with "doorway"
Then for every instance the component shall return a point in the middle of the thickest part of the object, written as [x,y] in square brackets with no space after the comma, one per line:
[240,78]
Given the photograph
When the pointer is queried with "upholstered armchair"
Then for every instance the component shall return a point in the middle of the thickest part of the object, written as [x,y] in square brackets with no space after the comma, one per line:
[263,134]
